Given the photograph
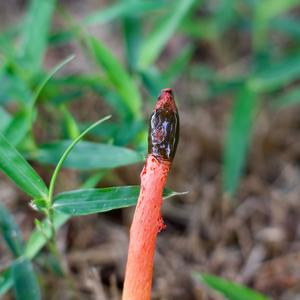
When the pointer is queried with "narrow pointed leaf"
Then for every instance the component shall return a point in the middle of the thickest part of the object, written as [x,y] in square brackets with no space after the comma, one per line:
[25,282]
[229,289]
[118,76]
[161,34]
[120,10]
[6,281]
[18,127]
[276,76]
[287,98]
[90,201]
[132,28]
[237,139]
[18,169]
[5,119]
[22,121]
[11,232]
[35,32]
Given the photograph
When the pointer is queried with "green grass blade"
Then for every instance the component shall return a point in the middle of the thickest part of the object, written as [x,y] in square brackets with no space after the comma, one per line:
[22,121]
[287,98]
[237,139]
[25,282]
[132,29]
[70,123]
[163,31]
[264,12]
[13,164]
[179,64]
[120,10]
[18,127]
[13,87]
[87,155]
[11,232]
[5,119]
[153,81]
[118,76]
[48,77]
[91,201]
[35,33]
[66,153]
[276,75]
[230,290]
[287,25]
[6,281]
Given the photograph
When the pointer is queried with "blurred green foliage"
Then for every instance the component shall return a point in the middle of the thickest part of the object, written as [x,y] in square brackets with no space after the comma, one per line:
[253,70]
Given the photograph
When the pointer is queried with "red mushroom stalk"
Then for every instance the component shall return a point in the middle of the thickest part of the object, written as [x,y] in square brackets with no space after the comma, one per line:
[147,221]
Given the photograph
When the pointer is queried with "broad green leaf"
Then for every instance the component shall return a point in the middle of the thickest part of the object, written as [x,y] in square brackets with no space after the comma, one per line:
[35,32]
[276,75]
[159,37]
[118,76]
[91,201]
[237,139]
[230,290]
[87,155]
[18,169]
[25,282]
[120,10]
[11,232]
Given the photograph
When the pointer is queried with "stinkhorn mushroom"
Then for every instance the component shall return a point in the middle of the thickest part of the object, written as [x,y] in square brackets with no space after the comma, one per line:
[147,221]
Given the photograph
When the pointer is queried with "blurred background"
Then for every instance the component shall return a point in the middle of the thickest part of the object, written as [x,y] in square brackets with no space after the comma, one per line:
[234,67]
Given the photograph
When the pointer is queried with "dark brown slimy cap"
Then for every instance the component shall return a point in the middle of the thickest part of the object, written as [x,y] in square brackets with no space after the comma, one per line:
[164,127]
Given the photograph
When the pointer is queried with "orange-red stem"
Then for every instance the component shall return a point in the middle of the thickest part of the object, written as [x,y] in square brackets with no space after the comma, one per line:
[147,222]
